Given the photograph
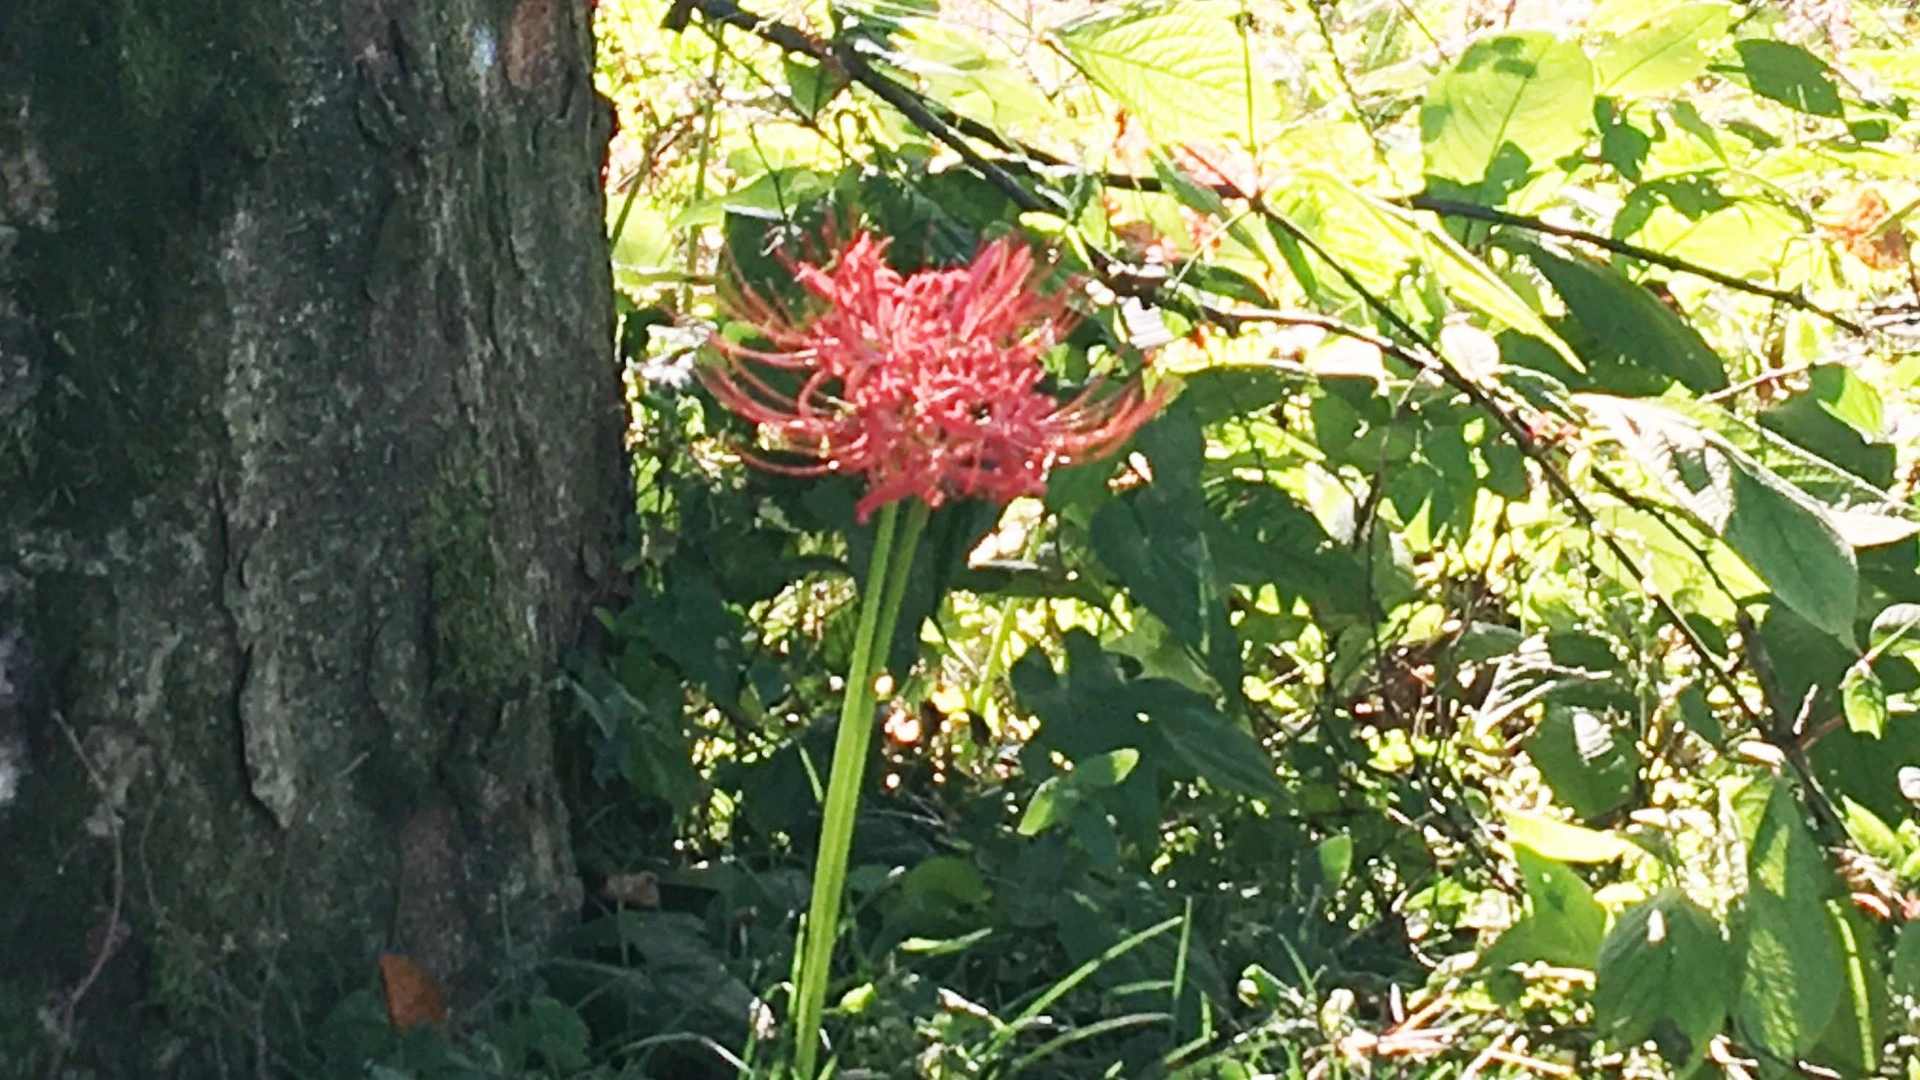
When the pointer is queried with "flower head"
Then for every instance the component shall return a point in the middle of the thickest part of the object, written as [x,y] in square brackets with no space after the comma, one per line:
[928,384]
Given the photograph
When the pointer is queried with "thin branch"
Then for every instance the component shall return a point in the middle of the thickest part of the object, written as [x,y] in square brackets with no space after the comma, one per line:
[1764,378]
[1475,212]
[847,59]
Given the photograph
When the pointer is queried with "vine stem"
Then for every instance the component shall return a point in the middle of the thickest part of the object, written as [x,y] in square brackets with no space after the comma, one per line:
[884,591]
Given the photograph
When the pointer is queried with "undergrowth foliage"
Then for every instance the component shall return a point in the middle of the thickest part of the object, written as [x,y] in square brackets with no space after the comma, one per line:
[1496,659]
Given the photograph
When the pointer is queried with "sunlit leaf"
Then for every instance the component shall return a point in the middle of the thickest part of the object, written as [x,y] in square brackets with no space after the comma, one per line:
[1853,1038]
[1896,630]
[1864,701]
[1747,239]
[1510,105]
[1662,55]
[1564,842]
[1564,925]
[1848,398]
[1183,73]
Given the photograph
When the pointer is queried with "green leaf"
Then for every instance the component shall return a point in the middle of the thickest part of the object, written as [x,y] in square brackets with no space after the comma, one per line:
[1780,531]
[1477,286]
[1512,104]
[1789,75]
[1182,73]
[1849,399]
[1864,700]
[1662,55]
[1626,324]
[812,85]
[1226,391]
[1212,746]
[1106,770]
[1793,971]
[1904,975]
[1851,1043]
[1334,855]
[1049,806]
[1564,924]
[1749,238]
[945,880]
[1865,515]
[1896,631]
[1789,542]
[952,64]
[1155,542]
[1381,226]
[1564,842]
[693,627]
[556,1033]
[1867,830]
[1666,974]
[1591,767]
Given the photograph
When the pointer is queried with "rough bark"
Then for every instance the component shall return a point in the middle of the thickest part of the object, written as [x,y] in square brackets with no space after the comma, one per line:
[309,457]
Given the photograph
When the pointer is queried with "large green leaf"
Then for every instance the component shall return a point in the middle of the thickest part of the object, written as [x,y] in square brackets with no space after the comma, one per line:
[1177,731]
[1786,537]
[1793,969]
[1789,75]
[1059,796]
[1213,747]
[1562,842]
[1591,766]
[1181,70]
[1852,1041]
[1512,104]
[1155,542]
[1779,530]
[1563,925]
[1864,515]
[1747,238]
[1662,55]
[957,69]
[1625,324]
[1666,974]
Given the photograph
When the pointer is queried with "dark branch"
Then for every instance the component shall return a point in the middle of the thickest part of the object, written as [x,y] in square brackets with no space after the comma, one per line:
[1475,212]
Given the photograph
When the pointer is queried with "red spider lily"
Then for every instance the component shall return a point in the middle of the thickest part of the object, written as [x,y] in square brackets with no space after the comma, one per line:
[928,384]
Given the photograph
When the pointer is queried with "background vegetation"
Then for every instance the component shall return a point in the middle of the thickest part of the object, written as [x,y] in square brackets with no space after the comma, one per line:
[1498,661]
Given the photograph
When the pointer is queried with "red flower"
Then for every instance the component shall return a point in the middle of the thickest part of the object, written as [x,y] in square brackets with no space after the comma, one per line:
[928,384]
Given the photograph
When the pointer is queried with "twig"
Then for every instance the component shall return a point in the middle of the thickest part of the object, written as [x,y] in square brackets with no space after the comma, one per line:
[847,58]
[1475,212]
[1771,376]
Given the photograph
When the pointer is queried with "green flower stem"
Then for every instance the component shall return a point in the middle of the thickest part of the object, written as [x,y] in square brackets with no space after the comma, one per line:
[886,587]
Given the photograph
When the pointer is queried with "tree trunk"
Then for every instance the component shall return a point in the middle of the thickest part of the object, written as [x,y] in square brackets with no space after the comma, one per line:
[309,459]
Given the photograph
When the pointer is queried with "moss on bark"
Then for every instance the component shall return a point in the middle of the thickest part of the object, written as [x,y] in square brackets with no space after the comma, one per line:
[292,516]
